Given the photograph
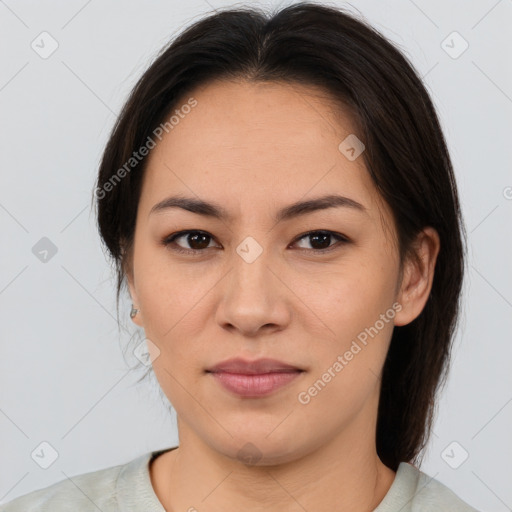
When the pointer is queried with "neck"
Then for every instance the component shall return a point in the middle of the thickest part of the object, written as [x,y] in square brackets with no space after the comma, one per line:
[344,474]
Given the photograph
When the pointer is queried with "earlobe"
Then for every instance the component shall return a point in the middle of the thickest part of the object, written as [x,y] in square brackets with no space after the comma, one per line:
[136,316]
[135,313]
[418,276]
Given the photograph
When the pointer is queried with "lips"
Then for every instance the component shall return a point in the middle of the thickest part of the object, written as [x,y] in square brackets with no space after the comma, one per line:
[253,379]
[259,366]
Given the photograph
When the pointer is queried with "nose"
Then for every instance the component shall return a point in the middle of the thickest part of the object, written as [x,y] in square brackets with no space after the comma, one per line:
[254,298]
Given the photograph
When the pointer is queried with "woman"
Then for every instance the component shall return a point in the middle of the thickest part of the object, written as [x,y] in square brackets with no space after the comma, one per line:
[278,198]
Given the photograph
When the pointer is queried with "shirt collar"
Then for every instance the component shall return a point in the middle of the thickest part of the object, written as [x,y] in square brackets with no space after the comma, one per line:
[134,491]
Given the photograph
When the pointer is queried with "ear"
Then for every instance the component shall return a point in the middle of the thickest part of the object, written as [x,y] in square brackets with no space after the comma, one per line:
[418,276]
[137,319]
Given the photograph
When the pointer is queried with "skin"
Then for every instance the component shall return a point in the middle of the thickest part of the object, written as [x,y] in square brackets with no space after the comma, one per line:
[255,148]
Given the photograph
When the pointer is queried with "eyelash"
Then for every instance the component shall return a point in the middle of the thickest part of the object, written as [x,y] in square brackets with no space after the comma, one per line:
[169,240]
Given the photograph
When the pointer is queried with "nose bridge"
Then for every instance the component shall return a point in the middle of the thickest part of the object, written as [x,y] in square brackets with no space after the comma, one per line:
[251,261]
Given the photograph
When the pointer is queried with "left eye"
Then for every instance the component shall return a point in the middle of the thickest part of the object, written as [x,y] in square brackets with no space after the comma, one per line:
[201,240]
[322,239]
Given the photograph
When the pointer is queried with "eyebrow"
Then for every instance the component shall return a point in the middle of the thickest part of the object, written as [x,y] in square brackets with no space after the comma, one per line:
[216,211]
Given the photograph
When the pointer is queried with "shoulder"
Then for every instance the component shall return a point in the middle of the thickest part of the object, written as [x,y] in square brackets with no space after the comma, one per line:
[430,495]
[95,490]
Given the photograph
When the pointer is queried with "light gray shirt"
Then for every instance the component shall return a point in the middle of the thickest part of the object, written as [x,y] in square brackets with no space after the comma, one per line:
[127,488]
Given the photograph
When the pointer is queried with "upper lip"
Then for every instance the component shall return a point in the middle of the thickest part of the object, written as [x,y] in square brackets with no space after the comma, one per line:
[259,366]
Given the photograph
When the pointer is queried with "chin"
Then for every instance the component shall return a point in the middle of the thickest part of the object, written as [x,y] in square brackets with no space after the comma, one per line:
[259,450]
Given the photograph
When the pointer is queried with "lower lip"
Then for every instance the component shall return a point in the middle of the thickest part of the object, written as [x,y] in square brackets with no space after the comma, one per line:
[254,385]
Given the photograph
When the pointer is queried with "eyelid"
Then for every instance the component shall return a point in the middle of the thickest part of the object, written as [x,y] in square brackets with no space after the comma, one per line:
[341,237]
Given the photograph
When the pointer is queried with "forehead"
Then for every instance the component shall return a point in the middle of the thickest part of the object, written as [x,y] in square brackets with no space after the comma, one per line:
[268,142]
[246,115]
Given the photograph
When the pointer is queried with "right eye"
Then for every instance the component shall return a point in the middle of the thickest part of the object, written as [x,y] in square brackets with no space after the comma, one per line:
[197,240]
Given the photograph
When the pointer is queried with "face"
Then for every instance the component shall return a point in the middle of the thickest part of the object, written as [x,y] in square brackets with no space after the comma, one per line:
[315,288]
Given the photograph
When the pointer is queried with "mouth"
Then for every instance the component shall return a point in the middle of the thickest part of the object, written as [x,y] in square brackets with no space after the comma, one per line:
[254,379]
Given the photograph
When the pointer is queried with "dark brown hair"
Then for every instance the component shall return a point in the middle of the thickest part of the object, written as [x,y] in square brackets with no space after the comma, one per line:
[406,157]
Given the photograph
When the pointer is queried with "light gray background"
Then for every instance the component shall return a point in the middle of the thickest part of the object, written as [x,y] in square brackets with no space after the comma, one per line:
[63,379]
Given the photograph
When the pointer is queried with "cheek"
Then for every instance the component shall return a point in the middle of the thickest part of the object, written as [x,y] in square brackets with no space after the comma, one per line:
[351,295]
[175,305]
[353,304]
[359,316]
[170,293]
